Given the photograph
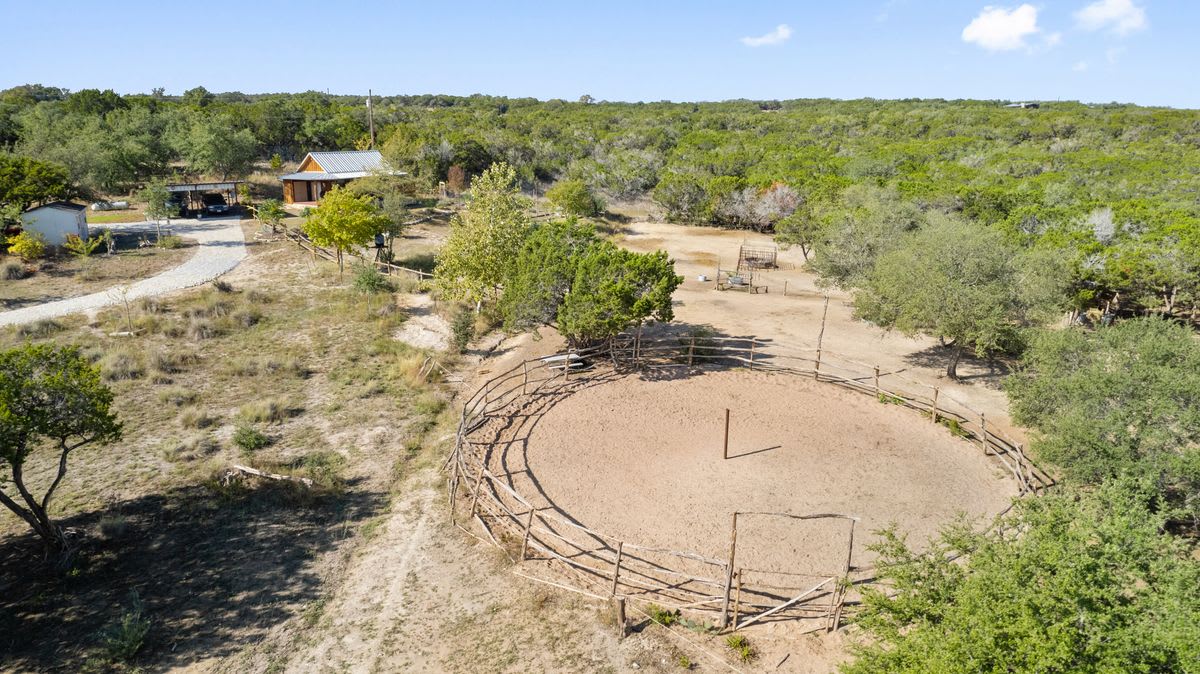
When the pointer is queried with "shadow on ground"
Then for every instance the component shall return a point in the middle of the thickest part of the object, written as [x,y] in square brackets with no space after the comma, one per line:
[990,373]
[214,573]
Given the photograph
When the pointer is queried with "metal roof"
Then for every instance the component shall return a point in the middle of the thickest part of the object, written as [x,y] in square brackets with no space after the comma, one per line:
[353,161]
[60,205]
[200,187]
[316,176]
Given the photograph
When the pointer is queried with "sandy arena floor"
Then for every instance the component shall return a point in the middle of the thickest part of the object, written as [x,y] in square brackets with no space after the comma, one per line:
[642,460]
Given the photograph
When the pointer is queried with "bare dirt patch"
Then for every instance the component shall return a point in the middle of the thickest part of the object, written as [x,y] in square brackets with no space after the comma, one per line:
[641,460]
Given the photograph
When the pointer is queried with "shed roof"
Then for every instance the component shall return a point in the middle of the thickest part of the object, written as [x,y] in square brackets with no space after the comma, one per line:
[60,205]
[350,161]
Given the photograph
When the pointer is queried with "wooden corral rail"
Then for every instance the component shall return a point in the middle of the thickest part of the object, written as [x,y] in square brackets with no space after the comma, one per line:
[304,242]
[603,566]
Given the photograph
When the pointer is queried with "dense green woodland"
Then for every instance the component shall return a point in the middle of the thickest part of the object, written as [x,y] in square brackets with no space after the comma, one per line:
[964,220]
[1114,190]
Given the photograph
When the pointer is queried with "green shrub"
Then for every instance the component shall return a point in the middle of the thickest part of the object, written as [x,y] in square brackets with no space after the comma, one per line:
[28,246]
[741,647]
[222,286]
[574,197]
[663,616]
[369,281]
[250,439]
[122,640]
[170,242]
[462,329]
[80,247]
[13,271]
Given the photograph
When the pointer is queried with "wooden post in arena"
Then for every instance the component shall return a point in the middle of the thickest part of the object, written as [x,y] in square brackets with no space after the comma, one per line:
[726,454]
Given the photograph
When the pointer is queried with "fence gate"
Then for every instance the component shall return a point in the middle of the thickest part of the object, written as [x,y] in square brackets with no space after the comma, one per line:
[752,595]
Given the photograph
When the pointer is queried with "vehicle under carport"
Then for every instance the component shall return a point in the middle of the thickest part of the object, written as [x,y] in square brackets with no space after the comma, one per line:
[196,199]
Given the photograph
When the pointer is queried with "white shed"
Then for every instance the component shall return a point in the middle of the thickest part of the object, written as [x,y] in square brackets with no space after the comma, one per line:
[55,221]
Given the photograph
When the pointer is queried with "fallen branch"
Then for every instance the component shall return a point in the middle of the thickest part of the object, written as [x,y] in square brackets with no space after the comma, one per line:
[269,476]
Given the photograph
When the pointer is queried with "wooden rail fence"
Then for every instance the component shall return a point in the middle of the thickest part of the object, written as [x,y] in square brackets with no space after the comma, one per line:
[602,566]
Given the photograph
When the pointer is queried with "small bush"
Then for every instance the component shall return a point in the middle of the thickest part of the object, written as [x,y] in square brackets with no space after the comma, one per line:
[199,328]
[170,242]
[248,317]
[122,640]
[291,366]
[663,616]
[194,417]
[242,367]
[222,286]
[954,426]
[250,439]
[13,271]
[741,647]
[39,329]
[170,362]
[258,297]
[118,365]
[462,329]
[369,281]
[177,396]
[28,246]
[151,305]
[191,448]
[269,411]
[114,527]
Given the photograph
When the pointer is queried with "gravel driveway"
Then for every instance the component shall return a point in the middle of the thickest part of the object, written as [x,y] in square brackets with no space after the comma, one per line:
[222,247]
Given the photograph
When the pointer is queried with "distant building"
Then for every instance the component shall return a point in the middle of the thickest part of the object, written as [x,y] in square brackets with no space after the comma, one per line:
[1023,105]
[56,221]
[322,171]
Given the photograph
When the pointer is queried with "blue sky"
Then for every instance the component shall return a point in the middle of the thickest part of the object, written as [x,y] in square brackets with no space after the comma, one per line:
[1139,51]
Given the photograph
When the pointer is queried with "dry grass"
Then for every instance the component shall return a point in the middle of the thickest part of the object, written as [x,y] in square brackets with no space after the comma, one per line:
[66,276]
[289,347]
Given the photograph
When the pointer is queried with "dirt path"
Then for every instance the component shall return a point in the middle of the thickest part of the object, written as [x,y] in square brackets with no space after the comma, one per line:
[221,247]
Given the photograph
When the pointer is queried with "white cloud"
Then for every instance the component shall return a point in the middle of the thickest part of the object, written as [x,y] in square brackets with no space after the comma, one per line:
[1000,29]
[1053,39]
[1080,67]
[1118,16]
[780,35]
[1114,54]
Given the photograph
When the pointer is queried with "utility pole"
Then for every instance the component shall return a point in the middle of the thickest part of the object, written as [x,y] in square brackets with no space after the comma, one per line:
[371,118]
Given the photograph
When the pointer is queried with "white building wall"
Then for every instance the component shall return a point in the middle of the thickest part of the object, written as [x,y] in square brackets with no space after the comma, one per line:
[55,224]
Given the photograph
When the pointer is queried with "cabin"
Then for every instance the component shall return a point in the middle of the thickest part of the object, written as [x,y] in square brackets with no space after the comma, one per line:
[322,171]
[56,221]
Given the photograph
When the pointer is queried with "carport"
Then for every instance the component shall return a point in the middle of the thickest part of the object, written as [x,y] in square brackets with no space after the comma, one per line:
[191,193]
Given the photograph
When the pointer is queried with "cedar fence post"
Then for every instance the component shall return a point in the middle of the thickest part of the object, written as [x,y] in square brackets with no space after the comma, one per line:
[622,623]
[729,573]
[935,403]
[525,540]
[983,432]
[691,350]
[525,378]
[617,568]
[821,337]
[478,483]
[737,599]
[753,343]
[876,381]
